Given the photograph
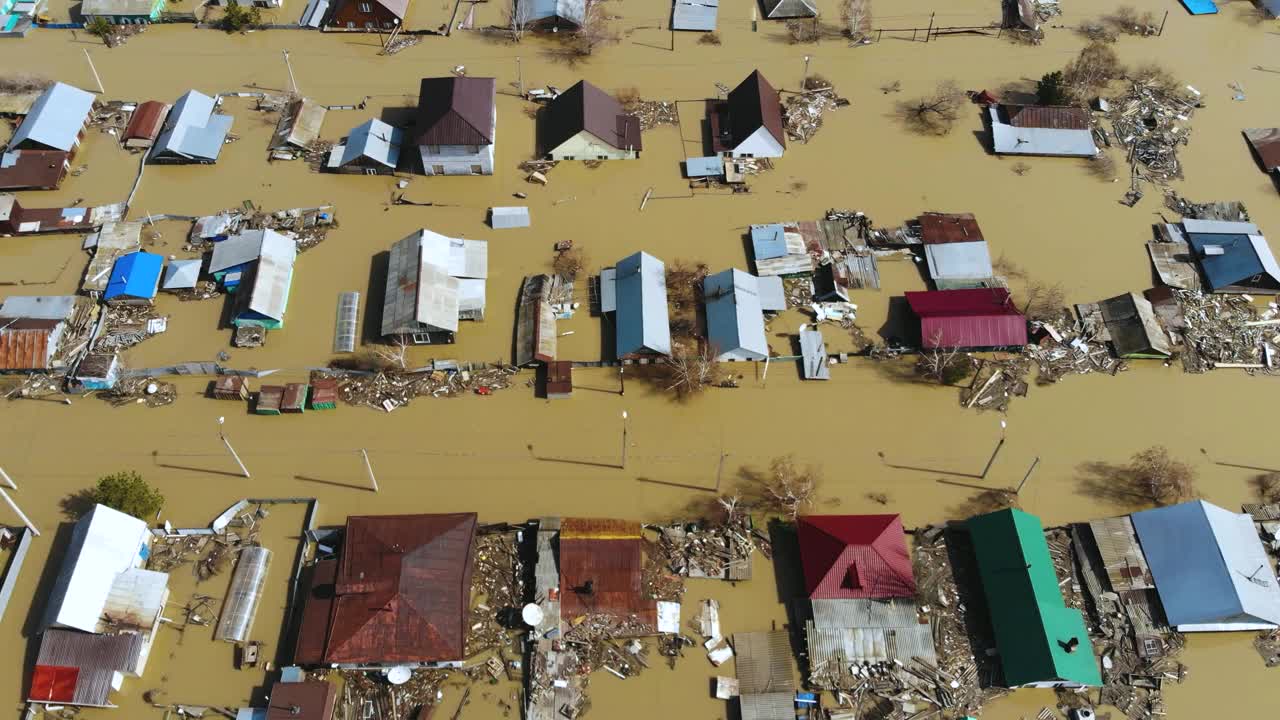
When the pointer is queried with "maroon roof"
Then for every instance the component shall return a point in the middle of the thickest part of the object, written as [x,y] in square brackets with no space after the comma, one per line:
[939,228]
[586,107]
[848,557]
[146,121]
[559,377]
[403,589]
[1055,118]
[313,699]
[609,554]
[316,610]
[295,397]
[455,111]
[1266,144]
[981,317]
[752,105]
[32,169]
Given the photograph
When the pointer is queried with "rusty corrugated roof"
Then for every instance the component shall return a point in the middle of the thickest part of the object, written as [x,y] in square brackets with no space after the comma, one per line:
[147,120]
[316,610]
[1054,118]
[313,699]
[403,589]
[455,111]
[938,228]
[25,348]
[610,555]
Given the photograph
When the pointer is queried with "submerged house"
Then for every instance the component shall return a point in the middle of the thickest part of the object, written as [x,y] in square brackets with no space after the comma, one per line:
[586,123]
[372,148]
[602,574]
[56,120]
[850,557]
[263,303]
[955,251]
[975,318]
[134,279]
[192,133]
[1129,323]
[433,281]
[735,316]
[32,329]
[1234,257]
[552,15]
[635,291]
[102,615]
[1034,130]
[33,169]
[749,123]
[233,256]
[17,219]
[367,15]
[1041,642]
[123,12]
[399,593]
[299,125]
[457,125]
[1209,567]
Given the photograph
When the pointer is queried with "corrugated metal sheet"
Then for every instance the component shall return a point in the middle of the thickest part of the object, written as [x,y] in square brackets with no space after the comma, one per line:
[181,274]
[697,15]
[768,241]
[271,282]
[610,555]
[145,123]
[735,320]
[1219,227]
[1049,118]
[862,645]
[317,607]
[25,349]
[96,657]
[246,246]
[309,700]
[772,296]
[968,318]
[1209,567]
[344,337]
[936,228]
[104,544]
[700,167]
[135,601]
[192,131]
[782,9]
[764,663]
[372,141]
[535,322]
[32,169]
[1012,140]
[813,353]
[955,263]
[456,111]
[643,326]
[609,290]
[55,120]
[240,606]
[767,706]
[573,11]
[300,125]
[855,556]
[468,258]
[853,613]
[1131,324]
[1122,558]
[1173,265]
[403,589]
[502,218]
[37,307]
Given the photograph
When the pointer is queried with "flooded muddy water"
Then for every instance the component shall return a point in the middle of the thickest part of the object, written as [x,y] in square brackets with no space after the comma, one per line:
[511,456]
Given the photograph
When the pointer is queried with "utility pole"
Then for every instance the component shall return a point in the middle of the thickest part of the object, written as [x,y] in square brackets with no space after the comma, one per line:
[243,470]
[754,18]
[8,480]
[96,78]
[16,509]
[805,81]
[519,76]
[624,439]
[622,380]
[293,84]
[369,469]
[995,452]
[1027,477]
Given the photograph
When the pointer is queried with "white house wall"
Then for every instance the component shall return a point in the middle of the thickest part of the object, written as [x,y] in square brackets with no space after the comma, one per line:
[455,160]
[761,144]
[585,146]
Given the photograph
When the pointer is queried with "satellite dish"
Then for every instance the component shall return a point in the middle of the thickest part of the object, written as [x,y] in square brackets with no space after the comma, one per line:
[532,615]
[399,675]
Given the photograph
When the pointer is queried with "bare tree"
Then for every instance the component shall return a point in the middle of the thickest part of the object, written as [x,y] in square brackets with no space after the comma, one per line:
[1044,300]
[1268,487]
[786,489]
[804,30]
[687,373]
[857,20]
[1155,476]
[594,32]
[397,356]
[1101,166]
[568,263]
[943,365]
[1092,70]
[519,12]
[933,114]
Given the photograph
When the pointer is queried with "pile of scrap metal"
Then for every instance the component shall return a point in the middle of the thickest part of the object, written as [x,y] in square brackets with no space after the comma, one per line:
[803,110]
[1150,121]
[389,390]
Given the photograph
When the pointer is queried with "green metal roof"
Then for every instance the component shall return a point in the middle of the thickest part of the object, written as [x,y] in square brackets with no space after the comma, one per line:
[1031,622]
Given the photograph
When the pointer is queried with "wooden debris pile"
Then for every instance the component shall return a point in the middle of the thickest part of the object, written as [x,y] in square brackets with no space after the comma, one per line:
[140,391]
[127,325]
[1151,122]
[719,551]
[366,695]
[1069,348]
[1226,331]
[497,586]
[652,113]
[401,42]
[996,383]
[804,110]
[389,390]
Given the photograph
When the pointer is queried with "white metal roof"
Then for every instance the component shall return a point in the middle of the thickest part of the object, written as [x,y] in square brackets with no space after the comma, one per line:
[1219,227]
[271,281]
[56,118]
[961,260]
[247,246]
[104,544]
[501,218]
[181,274]
[38,307]
[1010,140]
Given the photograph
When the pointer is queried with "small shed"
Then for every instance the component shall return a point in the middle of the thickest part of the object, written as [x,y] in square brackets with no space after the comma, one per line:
[1129,323]
[181,275]
[371,148]
[813,354]
[134,280]
[229,387]
[559,380]
[295,398]
[502,218]
[98,371]
[145,124]
[697,15]
[299,125]
[270,399]
[324,394]
[959,265]
[312,699]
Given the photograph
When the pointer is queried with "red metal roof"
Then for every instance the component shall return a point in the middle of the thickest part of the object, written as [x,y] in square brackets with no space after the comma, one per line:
[938,228]
[1055,118]
[977,318]
[855,556]
[455,111]
[609,554]
[977,301]
[146,121]
[314,700]
[53,684]
[403,589]
[23,347]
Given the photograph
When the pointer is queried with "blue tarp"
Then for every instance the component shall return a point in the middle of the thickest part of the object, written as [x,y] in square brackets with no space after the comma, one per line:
[768,241]
[136,275]
[1200,7]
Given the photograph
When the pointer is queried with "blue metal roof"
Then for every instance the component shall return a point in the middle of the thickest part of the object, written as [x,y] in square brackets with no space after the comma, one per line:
[56,118]
[643,325]
[1208,565]
[192,130]
[1200,7]
[135,275]
[1242,258]
[768,241]
[697,167]
[735,321]
[374,140]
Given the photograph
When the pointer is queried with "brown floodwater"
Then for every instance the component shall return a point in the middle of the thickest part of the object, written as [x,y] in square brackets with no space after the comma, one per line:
[510,456]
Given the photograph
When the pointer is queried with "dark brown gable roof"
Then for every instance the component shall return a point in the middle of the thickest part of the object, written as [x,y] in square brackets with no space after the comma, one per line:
[754,103]
[455,111]
[1053,118]
[586,107]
